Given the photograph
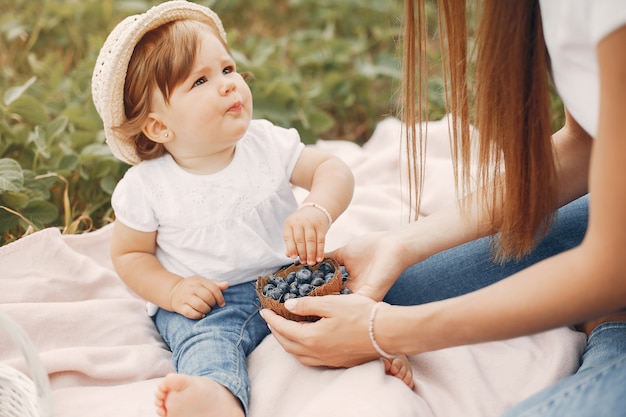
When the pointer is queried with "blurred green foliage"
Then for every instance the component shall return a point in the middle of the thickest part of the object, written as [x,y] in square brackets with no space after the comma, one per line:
[328,68]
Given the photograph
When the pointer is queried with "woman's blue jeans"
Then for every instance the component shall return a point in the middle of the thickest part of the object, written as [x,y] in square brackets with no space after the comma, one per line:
[600,382]
[597,389]
[217,346]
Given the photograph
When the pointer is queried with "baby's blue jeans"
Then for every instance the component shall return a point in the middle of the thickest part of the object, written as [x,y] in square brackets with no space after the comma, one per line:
[217,346]
[599,385]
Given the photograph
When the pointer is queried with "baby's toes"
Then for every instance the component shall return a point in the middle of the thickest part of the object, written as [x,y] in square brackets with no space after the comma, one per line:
[400,367]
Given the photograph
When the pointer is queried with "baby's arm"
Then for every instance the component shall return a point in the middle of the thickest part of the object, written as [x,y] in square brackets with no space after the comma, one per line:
[331,185]
[133,256]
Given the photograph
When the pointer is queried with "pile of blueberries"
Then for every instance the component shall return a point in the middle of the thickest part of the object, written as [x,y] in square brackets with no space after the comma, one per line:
[302,282]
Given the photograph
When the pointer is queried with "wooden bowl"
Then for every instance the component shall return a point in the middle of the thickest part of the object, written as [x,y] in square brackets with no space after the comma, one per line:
[333,286]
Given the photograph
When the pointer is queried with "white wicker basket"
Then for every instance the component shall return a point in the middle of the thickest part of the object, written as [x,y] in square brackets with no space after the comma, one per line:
[21,396]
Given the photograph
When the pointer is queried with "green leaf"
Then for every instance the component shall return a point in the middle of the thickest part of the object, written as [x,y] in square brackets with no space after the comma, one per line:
[38,137]
[15,200]
[94,152]
[80,139]
[281,91]
[30,109]
[40,212]
[81,119]
[321,121]
[11,175]
[38,187]
[56,126]
[108,184]
[14,93]
[8,221]
[68,162]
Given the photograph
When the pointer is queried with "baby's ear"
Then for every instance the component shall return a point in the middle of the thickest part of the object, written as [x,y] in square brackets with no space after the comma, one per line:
[156,130]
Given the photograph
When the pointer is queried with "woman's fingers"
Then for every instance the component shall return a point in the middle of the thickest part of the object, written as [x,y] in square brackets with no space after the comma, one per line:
[343,323]
[289,335]
[313,306]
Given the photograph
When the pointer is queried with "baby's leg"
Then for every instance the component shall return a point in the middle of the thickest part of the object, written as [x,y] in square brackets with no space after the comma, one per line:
[190,396]
[400,367]
[209,356]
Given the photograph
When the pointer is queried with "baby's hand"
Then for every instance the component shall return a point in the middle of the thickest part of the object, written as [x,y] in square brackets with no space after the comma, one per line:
[305,235]
[193,297]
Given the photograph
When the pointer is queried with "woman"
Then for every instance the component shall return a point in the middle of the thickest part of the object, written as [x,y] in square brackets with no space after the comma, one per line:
[528,220]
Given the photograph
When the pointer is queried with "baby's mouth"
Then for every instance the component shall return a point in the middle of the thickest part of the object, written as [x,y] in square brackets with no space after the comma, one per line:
[235,107]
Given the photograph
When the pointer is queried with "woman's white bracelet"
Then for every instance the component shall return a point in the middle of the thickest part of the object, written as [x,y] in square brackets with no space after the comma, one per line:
[370,329]
[321,208]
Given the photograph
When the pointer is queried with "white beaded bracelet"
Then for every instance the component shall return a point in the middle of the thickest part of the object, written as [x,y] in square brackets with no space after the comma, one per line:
[370,330]
[321,208]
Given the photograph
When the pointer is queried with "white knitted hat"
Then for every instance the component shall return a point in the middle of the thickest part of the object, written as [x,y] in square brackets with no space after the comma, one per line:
[107,83]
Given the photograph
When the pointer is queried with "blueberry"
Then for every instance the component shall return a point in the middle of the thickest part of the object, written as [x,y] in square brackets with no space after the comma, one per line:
[326,268]
[345,290]
[276,280]
[305,289]
[283,286]
[303,276]
[267,288]
[275,293]
[317,281]
[289,295]
[344,272]
[329,277]
[291,277]
[317,274]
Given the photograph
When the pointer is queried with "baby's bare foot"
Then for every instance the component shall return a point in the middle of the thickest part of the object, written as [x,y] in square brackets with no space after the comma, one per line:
[588,326]
[181,395]
[400,367]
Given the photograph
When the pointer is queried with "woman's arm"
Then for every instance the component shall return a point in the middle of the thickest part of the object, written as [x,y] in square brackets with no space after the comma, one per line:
[375,262]
[585,282]
[367,258]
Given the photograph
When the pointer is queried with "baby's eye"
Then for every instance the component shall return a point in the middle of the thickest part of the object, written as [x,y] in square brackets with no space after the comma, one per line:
[228,69]
[199,81]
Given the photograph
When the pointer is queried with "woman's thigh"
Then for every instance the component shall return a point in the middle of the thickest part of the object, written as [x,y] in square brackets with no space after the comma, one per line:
[470,266]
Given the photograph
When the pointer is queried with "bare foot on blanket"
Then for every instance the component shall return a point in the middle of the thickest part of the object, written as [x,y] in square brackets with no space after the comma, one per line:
[400,367]
[181,395]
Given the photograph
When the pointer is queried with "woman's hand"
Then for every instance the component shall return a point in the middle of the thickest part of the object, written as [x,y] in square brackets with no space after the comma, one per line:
[373,263]
[339,339]
[193,297]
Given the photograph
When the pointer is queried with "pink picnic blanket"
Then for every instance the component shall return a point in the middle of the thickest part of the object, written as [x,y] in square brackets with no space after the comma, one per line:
[105,358]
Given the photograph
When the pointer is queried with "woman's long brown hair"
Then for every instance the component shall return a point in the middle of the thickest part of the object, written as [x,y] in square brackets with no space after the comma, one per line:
[502,89]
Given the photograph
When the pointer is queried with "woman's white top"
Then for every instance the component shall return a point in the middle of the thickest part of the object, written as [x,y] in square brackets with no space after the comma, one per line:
[573,29]
[225,226]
